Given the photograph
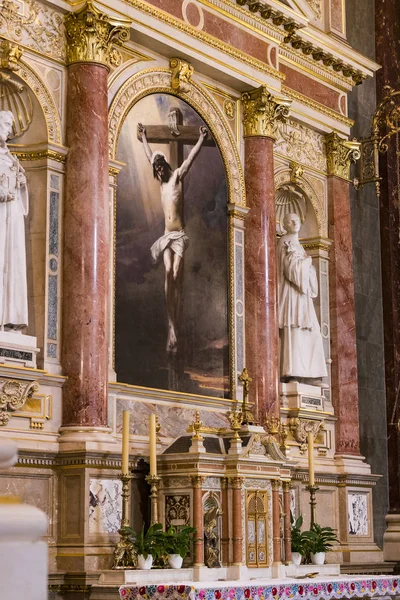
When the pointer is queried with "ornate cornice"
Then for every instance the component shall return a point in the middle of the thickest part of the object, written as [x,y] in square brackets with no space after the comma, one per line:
[262,111]
[91,35]
[340,154]
[13,395]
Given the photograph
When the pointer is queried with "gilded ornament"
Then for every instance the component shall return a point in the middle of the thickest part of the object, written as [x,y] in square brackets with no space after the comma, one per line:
[229,108]
[247,415]
[91,35]
[13,395]
[181,75]
[300,428]
[262,111]
[340,154]
[10,55]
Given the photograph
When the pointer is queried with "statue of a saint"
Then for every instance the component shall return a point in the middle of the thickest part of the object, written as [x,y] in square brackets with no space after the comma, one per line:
[302,355]
[13,209]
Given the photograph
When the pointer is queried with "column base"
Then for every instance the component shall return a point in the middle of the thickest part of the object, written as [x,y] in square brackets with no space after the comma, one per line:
[79,438]
[391,538]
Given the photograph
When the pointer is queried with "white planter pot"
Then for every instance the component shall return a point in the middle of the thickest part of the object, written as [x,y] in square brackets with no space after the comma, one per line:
[145,563]
[175,561]
[318,558]
[296,558]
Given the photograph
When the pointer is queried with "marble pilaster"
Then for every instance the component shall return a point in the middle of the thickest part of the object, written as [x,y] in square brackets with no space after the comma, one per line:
[225,522]
[260,113]
[341,295]
[287,535]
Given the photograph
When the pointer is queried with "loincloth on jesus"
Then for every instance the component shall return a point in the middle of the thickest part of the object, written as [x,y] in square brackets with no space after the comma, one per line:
[178,241]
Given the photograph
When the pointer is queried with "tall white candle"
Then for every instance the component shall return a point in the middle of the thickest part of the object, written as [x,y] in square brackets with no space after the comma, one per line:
[153,445]
[311,476]
[125,441]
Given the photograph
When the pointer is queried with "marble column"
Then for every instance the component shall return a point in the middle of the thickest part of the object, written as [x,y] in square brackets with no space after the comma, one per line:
[86,219]
[225,522]
[237,532]
[260,112]
[276,529]
[340,153]
[287,532]
[198,544]
[387,21]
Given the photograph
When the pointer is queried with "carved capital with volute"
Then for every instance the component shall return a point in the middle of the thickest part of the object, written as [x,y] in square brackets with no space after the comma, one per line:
[340,154]
[197,481]
[262,111]
[91,35]
[10,55]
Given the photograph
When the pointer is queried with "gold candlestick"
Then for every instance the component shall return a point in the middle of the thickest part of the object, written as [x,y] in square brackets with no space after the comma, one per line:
[313,502]
[124,551]
[154,482]
[247,415]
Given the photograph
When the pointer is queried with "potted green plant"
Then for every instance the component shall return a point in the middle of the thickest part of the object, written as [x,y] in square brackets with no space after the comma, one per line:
[148,545]
[177,542]
[319,540]
[298,539]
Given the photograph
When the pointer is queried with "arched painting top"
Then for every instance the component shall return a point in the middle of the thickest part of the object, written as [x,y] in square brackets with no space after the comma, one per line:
[155,80]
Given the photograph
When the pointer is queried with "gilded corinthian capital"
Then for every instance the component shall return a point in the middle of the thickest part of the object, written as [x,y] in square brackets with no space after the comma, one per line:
[340,154]
[91,35]
[261,111]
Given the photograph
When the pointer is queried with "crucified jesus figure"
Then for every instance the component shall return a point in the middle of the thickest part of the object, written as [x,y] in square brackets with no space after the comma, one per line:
[172,245]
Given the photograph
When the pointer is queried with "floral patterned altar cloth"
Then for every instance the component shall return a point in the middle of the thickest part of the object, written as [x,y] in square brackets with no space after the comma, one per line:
[305,589]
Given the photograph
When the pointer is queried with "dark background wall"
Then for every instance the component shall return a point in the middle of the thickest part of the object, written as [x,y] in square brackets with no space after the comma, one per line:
[367,274]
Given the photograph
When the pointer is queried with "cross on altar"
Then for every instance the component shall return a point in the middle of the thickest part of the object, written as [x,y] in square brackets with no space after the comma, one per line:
[177,135]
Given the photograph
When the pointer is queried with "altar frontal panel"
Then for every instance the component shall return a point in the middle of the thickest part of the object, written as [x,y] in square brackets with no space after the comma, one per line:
[192,207]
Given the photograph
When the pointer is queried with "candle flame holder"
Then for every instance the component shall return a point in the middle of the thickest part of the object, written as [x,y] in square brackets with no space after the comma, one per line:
[313,502]
[124,551]
[154,482]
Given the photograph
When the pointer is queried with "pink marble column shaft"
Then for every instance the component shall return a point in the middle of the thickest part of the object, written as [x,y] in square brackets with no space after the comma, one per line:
[287,533]
[261,277]
[342,315]
[86,249]
[198,545]
[237,521]
[276,530]
[225,523]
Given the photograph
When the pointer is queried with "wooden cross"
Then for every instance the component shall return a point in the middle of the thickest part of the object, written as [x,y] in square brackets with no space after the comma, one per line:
[176,135]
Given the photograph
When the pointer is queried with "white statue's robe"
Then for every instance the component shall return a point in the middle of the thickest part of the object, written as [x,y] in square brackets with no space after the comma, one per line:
[301,353]
[13,284]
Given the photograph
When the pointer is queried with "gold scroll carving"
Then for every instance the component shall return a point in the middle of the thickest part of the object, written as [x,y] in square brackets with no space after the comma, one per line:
[13,395]
[262,112]
[340,154]
[91,35]
[181,75]
[300,428]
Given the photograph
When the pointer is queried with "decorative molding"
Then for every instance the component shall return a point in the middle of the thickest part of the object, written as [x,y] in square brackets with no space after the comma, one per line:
[300,428]
[268,13]
[340,154]
[262,111]
[316,7]
[40,27]
[197,481]
[301,145]
[91,35]
[13,395]
[210,40]
[158,80]
[329,112]
[181,75]
[40,154]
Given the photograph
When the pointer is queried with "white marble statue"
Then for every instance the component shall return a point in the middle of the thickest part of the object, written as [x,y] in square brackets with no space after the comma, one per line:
[13,209]
[302,355]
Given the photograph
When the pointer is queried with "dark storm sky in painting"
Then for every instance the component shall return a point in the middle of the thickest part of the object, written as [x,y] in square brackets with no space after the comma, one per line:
[201,364]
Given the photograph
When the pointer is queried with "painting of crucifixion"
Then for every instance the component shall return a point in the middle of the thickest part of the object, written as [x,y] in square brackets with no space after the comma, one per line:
[171,303]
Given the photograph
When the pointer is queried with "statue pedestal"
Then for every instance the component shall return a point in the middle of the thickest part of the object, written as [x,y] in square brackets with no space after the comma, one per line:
[301,395]
[18,349]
